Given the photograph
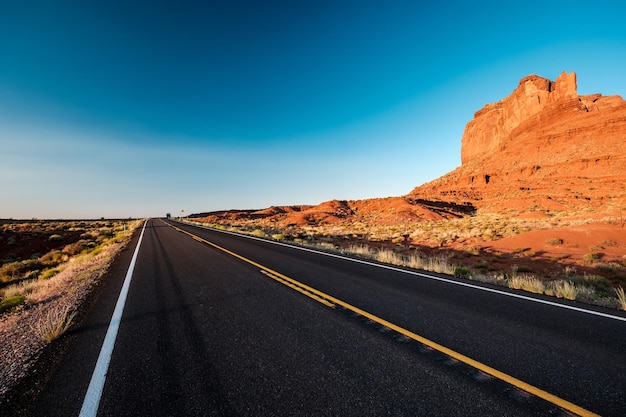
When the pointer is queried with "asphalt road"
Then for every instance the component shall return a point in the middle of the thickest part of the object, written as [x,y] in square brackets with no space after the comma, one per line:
[206,332]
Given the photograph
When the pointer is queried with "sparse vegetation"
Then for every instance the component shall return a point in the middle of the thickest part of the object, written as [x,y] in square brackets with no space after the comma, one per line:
[462,272]
[621,297]
[564,289]
[10,302]
[77,238]
[554,242]
[527,283]
[258,233]
[55,323]
[48,273]
[591,257]
[43,293]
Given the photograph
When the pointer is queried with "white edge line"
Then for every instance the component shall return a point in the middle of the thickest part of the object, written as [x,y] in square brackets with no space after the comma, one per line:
[420,274]
[96,385]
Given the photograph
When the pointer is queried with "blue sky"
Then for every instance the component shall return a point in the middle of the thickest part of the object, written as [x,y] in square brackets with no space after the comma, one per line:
[133,109]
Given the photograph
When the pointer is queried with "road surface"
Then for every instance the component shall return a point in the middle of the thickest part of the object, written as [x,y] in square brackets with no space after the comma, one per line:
[221,325]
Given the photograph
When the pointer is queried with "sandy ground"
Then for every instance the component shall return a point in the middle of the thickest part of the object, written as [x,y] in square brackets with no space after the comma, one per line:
[606,242]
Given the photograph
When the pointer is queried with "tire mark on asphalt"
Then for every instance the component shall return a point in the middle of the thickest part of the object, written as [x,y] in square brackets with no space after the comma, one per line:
[168,398]
[216,400]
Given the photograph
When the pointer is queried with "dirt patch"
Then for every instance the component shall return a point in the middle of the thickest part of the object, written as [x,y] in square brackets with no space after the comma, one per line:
[575,244]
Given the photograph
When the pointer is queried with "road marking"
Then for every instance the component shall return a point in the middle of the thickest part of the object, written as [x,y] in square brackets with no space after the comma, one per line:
[298,288]
[538,392]
[96,385]
[423,275]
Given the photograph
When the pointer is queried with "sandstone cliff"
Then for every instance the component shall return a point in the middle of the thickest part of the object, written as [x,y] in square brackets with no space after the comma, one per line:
[543,146]
[494,123]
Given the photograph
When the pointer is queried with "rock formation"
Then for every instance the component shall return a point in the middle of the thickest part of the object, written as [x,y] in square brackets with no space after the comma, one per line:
[542,146]
[495,122]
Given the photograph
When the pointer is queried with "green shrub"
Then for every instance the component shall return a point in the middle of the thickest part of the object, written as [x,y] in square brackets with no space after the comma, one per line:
[48,273]
[15,270]
[11,302]
[55,238]
[462,272]
[598,283]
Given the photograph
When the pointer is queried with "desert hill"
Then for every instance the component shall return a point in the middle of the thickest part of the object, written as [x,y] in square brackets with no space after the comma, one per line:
[376,211]
[542,147]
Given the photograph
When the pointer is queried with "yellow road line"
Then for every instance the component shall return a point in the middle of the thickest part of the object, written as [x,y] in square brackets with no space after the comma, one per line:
[299,289]
[303,288]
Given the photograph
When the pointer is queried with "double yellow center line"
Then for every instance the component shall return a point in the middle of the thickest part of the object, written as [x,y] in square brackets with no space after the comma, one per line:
[331,301]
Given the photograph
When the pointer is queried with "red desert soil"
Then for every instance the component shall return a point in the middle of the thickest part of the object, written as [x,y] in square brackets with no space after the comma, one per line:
[605,241]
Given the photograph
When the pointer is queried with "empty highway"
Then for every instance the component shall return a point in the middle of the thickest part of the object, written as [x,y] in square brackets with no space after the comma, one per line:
[214,324]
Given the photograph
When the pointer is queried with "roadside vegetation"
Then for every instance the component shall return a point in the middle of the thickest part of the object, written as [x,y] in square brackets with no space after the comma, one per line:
[30,278]
[48,270]
[598,282]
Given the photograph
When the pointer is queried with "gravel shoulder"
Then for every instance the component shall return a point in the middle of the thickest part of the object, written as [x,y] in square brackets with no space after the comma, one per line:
[25,355]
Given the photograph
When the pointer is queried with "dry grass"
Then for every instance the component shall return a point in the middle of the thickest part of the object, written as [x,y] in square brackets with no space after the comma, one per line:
[621,297]
[54,323]
[437,264]
[565,289]
[527,283]
[361,250]
[387,256]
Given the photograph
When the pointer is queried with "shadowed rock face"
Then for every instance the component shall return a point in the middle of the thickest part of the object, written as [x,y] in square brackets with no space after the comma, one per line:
[542,146]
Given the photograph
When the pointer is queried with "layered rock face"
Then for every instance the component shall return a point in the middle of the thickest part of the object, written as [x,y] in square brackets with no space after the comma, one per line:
[542,146]
[494,123]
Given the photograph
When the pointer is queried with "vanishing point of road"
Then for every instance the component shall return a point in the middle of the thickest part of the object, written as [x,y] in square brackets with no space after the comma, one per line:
[199,322]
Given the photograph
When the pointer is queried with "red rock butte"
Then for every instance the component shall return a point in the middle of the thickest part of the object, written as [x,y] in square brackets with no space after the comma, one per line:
[542,147]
